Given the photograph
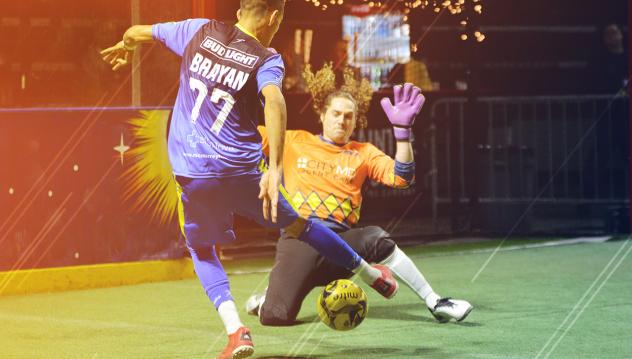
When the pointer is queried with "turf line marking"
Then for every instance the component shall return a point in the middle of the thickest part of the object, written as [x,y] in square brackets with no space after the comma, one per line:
[99,324]
[568,316]
[317,345]
[563,242]
[307,334]
[544,188]
[208,350]
[579,302]
[557,342]
[556,243]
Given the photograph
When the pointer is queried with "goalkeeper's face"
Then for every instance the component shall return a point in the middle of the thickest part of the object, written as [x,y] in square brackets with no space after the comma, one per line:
[339,120]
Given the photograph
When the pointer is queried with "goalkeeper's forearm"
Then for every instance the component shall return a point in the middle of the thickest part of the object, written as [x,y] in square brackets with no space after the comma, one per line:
[404,152]
[135,35]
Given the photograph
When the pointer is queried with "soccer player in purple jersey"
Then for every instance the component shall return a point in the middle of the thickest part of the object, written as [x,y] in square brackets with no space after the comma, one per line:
[227,73]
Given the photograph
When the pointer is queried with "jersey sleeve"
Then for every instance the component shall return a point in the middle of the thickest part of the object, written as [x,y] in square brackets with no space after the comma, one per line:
[271,72]
[176,35]
[387,171]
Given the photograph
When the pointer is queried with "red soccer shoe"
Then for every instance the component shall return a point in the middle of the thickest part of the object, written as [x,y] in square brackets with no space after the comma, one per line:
[239,345]
[386,285]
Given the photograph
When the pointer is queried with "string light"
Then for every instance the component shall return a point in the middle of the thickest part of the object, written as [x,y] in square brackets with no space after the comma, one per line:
[453,7]
[480,37]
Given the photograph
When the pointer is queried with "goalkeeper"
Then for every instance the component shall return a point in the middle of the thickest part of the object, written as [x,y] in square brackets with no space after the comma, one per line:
[323,176]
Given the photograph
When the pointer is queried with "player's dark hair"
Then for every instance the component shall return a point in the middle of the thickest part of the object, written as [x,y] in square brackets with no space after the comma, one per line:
[259,7]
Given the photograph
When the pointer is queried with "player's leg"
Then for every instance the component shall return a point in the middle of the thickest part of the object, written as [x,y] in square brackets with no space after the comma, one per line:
[205,221]
[299,268]
[373,244]
[291,279]
[321,238]
[443,309]
[369,242]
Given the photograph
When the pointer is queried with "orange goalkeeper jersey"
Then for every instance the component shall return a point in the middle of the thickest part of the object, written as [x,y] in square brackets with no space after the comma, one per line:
[325,180]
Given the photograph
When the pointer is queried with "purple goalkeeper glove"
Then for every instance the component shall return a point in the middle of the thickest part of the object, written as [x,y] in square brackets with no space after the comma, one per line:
[408,103]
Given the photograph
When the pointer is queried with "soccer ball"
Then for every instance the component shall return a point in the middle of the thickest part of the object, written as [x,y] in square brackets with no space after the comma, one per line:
[342,305]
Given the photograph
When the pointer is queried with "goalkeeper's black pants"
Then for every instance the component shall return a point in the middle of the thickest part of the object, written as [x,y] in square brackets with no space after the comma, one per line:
[298,269]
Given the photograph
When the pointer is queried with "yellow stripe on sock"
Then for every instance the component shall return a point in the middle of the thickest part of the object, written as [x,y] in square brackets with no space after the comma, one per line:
[180,207]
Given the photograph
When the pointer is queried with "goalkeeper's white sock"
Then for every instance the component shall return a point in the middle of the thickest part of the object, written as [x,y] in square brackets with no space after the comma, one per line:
[404,268]
[229,315]
[367,273]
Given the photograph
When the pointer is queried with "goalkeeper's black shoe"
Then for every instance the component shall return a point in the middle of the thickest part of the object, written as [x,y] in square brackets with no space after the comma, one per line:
[448,308]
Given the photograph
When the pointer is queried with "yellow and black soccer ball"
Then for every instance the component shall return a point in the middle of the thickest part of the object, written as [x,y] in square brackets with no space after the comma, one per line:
[342,305]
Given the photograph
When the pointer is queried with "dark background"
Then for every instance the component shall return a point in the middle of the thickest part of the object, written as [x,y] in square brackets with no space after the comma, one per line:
[531,47]
[536,146]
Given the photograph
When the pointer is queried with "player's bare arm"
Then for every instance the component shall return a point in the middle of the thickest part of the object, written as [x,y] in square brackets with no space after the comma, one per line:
[119,55]
[275,120]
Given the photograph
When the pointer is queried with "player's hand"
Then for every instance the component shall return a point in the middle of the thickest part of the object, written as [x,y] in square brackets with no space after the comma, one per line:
[269,193]
[401,114]
[117,55]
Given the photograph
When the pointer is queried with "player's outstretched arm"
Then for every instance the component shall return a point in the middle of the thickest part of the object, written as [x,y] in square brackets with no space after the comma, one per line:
[276,120]
[119,54]
[408,101]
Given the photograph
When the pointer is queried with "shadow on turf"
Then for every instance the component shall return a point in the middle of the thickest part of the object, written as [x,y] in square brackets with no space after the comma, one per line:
[468,324]
[409,312]
[365,352]
[381,352]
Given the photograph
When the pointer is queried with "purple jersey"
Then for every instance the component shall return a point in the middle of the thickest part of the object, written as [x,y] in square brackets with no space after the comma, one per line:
[213,131]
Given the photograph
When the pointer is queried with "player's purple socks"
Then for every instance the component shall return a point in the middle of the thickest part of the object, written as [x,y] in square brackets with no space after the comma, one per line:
[330,245]
[211,274]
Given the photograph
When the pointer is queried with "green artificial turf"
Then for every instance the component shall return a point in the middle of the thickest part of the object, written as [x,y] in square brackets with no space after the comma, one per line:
[570,297]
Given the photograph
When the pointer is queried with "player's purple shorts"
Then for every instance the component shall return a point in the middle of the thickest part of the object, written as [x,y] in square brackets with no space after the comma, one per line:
[209,204]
